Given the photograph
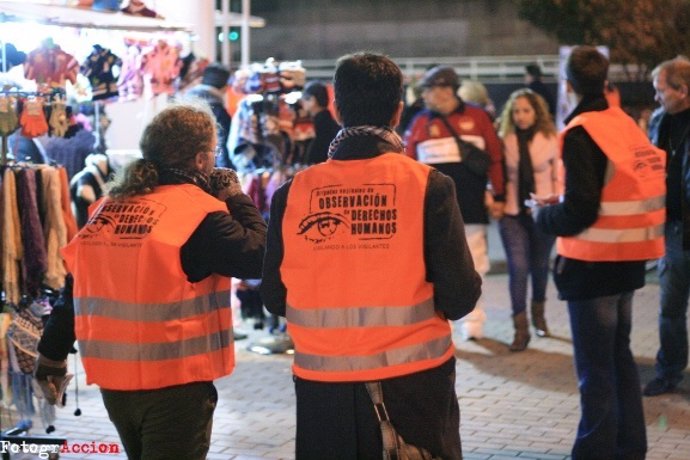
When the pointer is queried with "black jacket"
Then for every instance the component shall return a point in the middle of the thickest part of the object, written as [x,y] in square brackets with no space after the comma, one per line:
[325,129]
[354,430]
[214,97]
[585,166]
[229,245]
[678,166]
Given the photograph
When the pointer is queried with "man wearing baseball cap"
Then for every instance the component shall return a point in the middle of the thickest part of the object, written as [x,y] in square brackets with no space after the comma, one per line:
[433,138]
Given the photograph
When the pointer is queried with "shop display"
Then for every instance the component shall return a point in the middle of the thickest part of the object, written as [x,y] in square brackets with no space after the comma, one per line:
[161,65]
[35,203]
[50,67]
[138,8]
[98,68]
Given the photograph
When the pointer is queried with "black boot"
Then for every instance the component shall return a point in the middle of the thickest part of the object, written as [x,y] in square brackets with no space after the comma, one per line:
[538,319]
[522,336]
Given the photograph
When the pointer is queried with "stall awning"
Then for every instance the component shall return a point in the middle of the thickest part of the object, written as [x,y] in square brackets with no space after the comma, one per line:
[83,17]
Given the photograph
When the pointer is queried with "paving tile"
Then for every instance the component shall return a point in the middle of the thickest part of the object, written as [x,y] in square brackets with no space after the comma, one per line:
[513,405]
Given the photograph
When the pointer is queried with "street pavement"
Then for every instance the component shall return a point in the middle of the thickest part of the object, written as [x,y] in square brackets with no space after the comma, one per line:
[513,405]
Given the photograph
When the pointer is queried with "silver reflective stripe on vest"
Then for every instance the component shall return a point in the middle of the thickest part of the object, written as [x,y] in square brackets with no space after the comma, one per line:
[630,208]
[151,312]
[361,316]
[629,235]
[403,355]
[119,351]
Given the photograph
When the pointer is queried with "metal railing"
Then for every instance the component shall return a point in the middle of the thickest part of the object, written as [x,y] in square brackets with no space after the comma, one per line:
[487,69]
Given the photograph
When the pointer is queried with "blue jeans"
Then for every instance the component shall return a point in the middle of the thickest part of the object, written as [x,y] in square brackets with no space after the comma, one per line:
[674,281]
[527,253]
[612,421]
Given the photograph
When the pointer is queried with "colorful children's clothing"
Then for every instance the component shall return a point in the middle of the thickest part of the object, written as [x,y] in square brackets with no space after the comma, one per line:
[98,68]
[49,65]
[33,119]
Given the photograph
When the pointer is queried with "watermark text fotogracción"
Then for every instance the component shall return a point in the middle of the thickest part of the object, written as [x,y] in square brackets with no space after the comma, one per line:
[45,450]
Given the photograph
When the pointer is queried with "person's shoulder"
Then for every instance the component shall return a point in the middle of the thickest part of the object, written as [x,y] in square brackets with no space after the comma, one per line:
[475,111]
[421,116]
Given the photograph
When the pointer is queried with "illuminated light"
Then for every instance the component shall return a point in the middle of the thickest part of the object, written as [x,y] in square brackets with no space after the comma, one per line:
[234,36]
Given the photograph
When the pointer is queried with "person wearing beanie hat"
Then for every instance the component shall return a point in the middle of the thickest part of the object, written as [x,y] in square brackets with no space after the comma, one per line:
[212,90]
[315,102]
[533,81]
[441,76]
[433,138]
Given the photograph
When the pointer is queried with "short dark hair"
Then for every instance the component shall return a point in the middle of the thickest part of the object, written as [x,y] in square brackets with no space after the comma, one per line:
[587,70]
[368,89]
[534,70]
[319,91]
[215,75]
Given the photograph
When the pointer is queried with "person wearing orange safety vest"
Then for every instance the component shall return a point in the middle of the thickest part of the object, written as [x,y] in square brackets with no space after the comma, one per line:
[609,222]
[367,259]
[148,299]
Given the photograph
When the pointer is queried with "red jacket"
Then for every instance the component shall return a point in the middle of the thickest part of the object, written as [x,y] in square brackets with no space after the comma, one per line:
[429,141]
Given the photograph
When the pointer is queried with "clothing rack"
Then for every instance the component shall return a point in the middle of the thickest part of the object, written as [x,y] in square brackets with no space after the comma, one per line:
[19,434]
[59,92]
[4,56]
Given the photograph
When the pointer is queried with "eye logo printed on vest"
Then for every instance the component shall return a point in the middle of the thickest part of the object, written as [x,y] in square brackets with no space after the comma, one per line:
[321,226]
[348,214]
[132,220]
[648,163]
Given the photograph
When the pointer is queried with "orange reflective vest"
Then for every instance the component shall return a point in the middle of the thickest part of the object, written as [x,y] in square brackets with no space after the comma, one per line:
[140,324]
[358,305]
[632,212]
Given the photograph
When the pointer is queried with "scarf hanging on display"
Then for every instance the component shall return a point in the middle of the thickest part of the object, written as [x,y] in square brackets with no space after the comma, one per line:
[525,170]
[384,133]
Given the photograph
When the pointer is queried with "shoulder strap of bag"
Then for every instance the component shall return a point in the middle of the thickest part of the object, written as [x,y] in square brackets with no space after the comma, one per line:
[455,136]
[388,434]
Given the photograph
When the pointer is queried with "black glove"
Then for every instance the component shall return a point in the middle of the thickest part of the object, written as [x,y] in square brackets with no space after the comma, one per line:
[51,376]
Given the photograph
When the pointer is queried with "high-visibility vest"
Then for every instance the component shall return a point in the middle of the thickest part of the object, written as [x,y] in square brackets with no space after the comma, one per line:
[630,225]
[358,304]
[139,323]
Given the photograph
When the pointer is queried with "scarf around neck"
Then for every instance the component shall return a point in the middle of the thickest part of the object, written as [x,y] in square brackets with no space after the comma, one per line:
[525,170]
[179,176]
[385,133]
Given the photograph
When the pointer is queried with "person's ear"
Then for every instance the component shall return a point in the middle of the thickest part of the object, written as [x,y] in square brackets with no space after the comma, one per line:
[684,90]
[201,159]
[395,121]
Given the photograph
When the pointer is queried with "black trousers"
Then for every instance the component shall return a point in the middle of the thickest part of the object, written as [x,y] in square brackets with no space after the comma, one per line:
[172,422]
[337,420]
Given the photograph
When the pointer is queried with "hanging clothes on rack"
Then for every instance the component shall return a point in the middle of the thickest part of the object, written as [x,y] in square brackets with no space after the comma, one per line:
[34,260]
[58,118]
[9,121]
[54,227]
[12,250]
[161,65]
[130,84]
[33,119]
[51,67]
[98,68]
